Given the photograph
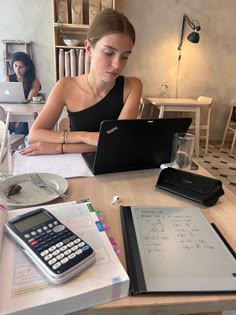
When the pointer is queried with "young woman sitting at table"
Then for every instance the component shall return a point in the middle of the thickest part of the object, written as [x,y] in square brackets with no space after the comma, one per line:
[24,71]
[91,98]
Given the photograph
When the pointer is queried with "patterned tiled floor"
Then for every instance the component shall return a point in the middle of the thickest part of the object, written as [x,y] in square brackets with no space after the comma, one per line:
[220,165]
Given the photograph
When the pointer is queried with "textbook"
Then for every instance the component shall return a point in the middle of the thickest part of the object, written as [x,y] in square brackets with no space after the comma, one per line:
[175,250]
[24,291]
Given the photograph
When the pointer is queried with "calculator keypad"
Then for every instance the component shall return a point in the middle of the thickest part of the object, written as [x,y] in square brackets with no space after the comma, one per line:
[57,246]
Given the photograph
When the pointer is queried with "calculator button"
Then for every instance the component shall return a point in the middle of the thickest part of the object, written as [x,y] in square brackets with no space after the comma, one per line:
[55,222]
[70,244]
[49,256]
[77,240]
[27,236]
[31,240]
[56,252]
[33,233]
[81,244]
[51,249]
[59,244]
[67,252]
[73,237]
[64,260]
[56,266]
[71,256]
[58,228]
[86,247]
[45,228]
[79,251]
[74,248]
[39,230]
[60,256]
[33,243]
[52,261]
[44,253]
[63,248]
[50,225]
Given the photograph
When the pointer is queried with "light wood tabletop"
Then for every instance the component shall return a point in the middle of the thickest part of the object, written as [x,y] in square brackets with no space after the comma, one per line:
[22,112]
[180,105]
[138,188]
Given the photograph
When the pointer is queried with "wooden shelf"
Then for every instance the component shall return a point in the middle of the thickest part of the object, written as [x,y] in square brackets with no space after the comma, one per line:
[72,31]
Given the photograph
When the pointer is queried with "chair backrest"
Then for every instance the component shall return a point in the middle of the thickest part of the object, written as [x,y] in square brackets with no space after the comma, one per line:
[141,108]
[2,113]
[64,124]
[205,99]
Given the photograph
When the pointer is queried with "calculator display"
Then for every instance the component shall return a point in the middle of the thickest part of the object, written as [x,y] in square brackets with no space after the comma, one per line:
[31,222]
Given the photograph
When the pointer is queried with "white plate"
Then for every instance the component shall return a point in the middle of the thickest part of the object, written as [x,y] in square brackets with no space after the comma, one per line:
[30,194]
[40,102]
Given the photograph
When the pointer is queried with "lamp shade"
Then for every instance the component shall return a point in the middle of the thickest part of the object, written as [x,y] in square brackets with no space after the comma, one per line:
[194,37]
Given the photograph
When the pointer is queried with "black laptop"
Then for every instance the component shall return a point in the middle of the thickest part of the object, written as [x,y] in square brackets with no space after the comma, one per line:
[134,144]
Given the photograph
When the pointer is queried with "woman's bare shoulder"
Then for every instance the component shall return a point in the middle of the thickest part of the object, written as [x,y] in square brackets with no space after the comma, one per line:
[133,81]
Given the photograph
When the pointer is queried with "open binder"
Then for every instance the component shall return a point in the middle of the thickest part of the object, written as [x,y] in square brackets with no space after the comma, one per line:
[175,250]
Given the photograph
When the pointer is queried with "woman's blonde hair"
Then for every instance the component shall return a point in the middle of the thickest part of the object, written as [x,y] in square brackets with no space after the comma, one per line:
[107,22]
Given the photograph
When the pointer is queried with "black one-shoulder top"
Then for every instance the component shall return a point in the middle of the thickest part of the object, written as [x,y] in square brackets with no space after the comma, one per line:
[107,108]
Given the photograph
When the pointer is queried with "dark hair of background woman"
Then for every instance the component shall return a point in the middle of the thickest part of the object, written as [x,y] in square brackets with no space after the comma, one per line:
[29,76]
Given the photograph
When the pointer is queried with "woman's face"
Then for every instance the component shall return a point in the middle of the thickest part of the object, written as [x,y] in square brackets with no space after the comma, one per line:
[19,68]
[110,55]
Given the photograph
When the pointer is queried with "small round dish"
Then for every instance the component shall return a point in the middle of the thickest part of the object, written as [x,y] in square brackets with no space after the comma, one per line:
[30,194]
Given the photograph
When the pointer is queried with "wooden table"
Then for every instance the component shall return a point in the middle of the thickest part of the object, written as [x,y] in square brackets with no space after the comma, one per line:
[180,105]
[22,112]
[138,188]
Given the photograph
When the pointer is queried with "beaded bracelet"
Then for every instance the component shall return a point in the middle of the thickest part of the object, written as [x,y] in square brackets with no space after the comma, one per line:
[64,136]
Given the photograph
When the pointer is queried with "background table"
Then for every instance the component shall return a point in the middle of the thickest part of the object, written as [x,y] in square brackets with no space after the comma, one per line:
[180,105]
[22,112]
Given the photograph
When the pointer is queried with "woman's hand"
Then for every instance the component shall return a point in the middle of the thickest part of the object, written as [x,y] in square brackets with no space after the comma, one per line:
[40,148]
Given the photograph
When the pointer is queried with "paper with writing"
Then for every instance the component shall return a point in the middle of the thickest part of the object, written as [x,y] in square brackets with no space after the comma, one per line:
[179,243]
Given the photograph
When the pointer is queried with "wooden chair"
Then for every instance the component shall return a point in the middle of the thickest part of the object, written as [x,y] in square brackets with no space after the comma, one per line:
[205,127]
[230,127]
[16,140]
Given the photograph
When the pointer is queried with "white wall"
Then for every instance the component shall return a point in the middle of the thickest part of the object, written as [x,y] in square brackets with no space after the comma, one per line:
[30,20]
[207,68]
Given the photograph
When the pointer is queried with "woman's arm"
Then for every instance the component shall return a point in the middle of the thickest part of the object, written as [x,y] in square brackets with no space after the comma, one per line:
[34,89]
[132,96]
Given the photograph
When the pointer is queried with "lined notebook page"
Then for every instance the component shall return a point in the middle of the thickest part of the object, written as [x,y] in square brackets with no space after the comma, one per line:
[179,243]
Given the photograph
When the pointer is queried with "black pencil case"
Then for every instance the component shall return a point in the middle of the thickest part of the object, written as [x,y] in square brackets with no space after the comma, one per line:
[202,189]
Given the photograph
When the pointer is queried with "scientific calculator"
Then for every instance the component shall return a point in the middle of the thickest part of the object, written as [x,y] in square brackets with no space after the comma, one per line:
[57,251]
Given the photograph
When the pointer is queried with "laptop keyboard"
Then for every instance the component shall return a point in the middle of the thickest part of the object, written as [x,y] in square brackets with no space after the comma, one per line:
[89,158]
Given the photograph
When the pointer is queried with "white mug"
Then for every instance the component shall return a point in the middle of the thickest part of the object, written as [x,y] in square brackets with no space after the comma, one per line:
[37,98]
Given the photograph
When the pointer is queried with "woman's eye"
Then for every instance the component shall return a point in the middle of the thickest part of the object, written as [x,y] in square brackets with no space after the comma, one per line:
[109,53]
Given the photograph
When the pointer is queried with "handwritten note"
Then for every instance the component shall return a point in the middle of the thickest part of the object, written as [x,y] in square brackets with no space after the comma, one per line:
[177,242]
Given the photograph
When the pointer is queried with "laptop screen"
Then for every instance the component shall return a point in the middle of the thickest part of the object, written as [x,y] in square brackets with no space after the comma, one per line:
[126,145]
[11,92]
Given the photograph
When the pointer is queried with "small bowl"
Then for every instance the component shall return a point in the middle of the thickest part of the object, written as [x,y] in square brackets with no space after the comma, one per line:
[71,42]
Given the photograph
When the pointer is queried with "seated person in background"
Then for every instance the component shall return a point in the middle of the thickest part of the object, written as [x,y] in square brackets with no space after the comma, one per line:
[24,71]
[91,98]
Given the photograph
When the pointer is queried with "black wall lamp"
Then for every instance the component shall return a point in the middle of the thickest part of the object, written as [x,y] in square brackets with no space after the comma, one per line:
[193,37]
